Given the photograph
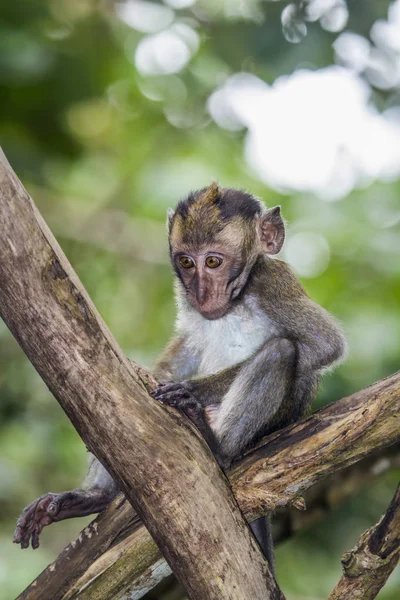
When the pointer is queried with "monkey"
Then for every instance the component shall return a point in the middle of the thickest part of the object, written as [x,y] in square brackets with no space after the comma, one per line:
[249,350]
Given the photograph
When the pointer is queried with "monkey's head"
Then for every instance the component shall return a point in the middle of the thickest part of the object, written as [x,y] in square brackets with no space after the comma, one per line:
[215,237]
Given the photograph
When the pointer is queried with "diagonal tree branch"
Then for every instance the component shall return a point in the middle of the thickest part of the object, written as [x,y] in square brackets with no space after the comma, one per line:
[368,565]
[160,461]
[275,474]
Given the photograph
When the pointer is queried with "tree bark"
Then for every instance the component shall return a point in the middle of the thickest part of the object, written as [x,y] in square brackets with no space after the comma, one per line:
[160,461]
[300,455]
[334,437]
[367,566]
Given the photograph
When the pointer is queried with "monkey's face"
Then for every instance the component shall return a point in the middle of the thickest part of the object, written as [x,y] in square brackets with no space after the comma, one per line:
[208,275]
[210,270]
[215,236]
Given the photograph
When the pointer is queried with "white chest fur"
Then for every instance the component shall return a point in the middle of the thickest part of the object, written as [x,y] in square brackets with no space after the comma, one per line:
[226,341]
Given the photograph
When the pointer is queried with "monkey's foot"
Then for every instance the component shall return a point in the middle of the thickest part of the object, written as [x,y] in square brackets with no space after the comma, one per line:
[32,520]
[50,508]
[175,394]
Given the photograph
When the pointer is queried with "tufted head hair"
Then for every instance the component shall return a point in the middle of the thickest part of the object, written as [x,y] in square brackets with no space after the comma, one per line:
[200,217]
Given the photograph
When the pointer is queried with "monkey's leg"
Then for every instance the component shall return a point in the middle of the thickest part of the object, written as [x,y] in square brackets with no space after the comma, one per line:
[262,531]
[100,490]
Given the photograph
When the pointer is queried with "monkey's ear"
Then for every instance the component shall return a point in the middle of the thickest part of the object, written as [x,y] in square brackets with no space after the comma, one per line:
[170,218]
[272,230]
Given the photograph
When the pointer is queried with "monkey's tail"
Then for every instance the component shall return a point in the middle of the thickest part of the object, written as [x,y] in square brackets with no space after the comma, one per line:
[262,531]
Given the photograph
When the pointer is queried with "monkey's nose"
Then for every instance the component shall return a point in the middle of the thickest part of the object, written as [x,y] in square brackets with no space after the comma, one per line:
[201,292]
[201,295]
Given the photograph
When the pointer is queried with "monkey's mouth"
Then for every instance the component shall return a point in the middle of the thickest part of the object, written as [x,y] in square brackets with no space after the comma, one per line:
[215,314]
[211,312]
[210,309]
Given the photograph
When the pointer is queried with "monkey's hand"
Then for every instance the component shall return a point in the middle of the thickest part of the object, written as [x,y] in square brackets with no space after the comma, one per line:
[178,395]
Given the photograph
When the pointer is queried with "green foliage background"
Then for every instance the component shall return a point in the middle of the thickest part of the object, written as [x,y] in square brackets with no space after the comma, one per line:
[93,142]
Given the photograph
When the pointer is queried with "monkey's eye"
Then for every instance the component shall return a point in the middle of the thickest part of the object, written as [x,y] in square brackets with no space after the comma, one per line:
[186,262]
[213,262]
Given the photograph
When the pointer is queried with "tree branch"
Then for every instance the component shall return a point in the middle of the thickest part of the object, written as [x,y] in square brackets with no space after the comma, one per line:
[368,565]
[334,437]
[331,493]
[287,464]
[158,458]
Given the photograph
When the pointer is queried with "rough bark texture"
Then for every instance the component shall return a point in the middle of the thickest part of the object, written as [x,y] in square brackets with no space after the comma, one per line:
[298,451]
[367,566]
[331,493]
[334,437]
[161,463]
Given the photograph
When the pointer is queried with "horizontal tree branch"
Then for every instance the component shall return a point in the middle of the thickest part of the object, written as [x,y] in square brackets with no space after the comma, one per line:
[288,463]
[368,565]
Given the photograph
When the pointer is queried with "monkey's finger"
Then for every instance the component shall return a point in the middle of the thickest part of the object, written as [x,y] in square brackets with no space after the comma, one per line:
[178,393]
[174,398]
[62,506]
[163,384]
[157,393]
[168,387]
[21,536]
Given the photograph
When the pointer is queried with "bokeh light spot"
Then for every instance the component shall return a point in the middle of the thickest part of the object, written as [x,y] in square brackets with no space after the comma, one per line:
[336,18]
[89,119]
[146,17]
[312,131]
[166,52]
[293,27]
[352,50]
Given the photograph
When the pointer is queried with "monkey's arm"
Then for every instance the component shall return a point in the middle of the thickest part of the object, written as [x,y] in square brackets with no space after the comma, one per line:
[269,390]
[320,340]
[99,490]
[176,361]
[257,389]
[207,390]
